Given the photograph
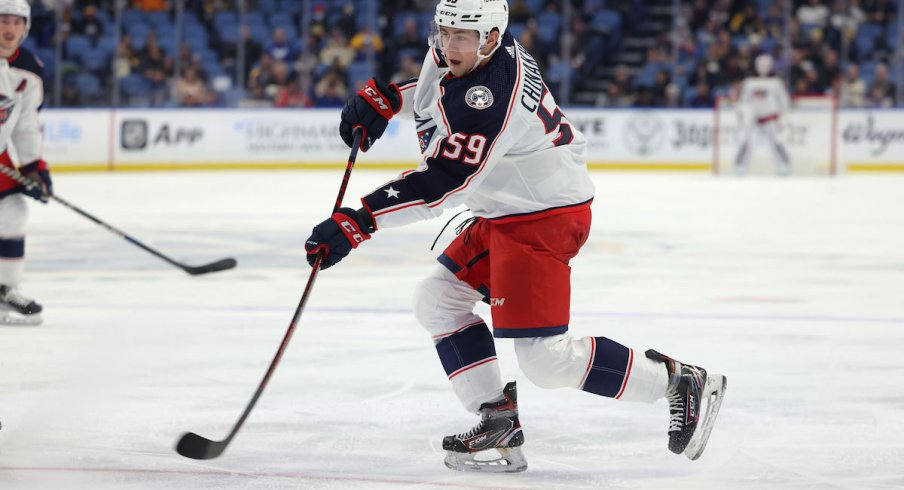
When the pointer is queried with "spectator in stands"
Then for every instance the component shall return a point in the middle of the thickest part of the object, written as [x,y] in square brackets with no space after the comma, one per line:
[882,52]
[89,25]
[813,13]
[70,96]
[746,21]
[331,90]
[702,97]
[882,92]
[279,48]
[614,96]
[830,71]
[847,15]
[879,11]
[305,64]
[186,57]
[810,84]
[700,15]
[43,23]
[408,69]
[347,22]
[282,78]
[774,21]
[520,12]
[702,75]
[297,94]
[672,96]
[659,90]
[156,67]
[127,60]
[337,49]
[151,5]
[410,37]
[365,41]
[228,52]
[853,88]
[261,74]
[190,90]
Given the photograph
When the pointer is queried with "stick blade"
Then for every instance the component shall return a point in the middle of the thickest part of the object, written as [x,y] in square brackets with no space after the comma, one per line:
[193,446]
[220,265]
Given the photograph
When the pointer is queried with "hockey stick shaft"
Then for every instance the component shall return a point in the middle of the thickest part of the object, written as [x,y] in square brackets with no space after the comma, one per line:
[194,446]
[219,265]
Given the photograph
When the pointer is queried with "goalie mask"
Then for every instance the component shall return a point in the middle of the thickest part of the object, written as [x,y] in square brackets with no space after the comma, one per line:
[482,16]
[763,65]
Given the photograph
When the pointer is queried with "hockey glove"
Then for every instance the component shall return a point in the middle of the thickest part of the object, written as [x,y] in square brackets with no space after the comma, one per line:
[40,186]
[337,236]
[371,109]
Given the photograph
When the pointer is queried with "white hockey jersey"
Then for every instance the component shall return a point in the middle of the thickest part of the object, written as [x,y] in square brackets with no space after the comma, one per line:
[21,96]
[763,98]
[493,139]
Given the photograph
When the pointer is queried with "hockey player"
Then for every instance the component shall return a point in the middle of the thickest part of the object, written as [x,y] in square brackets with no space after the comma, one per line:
[492,137]
[21,96]
[761,103]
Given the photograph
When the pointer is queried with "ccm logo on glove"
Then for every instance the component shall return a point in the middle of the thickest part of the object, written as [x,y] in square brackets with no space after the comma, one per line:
[336,236]
[351,231]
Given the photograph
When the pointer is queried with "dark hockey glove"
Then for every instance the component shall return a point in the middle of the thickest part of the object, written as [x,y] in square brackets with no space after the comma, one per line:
[39,185]
[371,109]
[337,236]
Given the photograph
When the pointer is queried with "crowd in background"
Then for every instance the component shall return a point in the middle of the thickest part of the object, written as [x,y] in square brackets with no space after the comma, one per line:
[314,53]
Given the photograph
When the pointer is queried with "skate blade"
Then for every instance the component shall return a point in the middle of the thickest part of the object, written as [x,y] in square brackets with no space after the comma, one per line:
[10,318]
[509,460]
[714,391]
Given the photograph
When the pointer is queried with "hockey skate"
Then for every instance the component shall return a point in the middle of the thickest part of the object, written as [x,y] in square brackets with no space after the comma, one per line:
[16,309]
[689,387]
[493,444]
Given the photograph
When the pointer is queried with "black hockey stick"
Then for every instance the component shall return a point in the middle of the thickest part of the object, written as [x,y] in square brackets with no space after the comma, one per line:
[219,265]
[192,445]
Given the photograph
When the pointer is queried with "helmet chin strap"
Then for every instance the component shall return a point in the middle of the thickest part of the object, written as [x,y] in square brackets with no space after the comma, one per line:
[481,57]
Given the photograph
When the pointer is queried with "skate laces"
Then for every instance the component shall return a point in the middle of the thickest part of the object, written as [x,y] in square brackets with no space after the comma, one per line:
[477,429]
[12,297]
[676,408]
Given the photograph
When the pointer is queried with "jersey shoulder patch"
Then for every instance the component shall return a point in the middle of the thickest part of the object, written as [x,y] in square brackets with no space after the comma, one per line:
[480,100]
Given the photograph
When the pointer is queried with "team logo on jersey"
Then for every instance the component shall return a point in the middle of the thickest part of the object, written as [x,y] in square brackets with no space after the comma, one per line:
[479,97]
[7,105]
[424,137]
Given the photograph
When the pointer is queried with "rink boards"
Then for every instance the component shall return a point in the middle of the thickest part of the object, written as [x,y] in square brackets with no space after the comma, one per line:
[618,139]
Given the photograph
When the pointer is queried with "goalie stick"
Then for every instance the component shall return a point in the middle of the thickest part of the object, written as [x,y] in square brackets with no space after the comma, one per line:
[192,445]
[219,265]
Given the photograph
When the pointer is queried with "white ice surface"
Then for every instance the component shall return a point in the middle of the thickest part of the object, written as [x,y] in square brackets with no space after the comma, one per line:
[792,288]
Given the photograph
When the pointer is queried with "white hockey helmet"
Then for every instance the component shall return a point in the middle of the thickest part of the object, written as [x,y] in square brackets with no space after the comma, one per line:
[763,64]
[482,16]
[19,8]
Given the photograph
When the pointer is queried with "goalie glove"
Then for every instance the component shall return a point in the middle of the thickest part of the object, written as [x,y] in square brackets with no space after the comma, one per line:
[337,236]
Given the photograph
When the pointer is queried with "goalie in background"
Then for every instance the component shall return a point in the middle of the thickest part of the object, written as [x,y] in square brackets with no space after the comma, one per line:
[761,103]
[21,96]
